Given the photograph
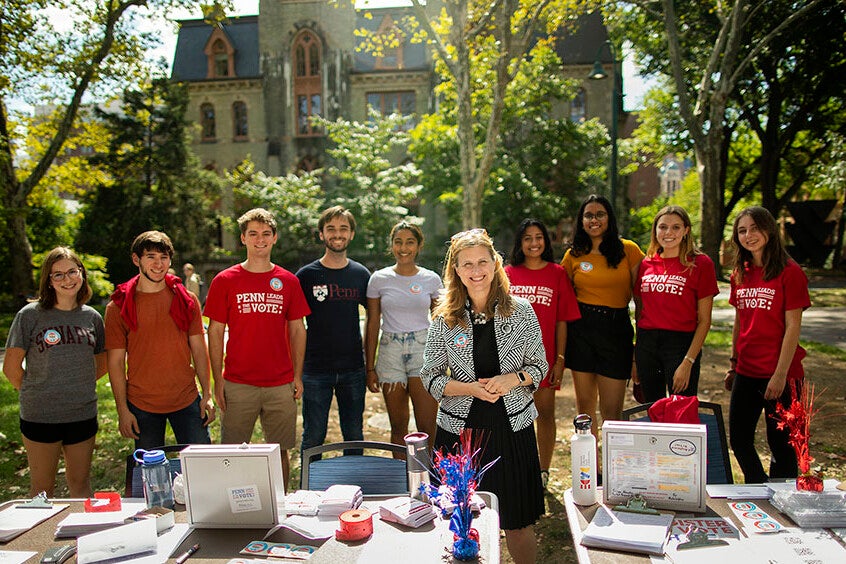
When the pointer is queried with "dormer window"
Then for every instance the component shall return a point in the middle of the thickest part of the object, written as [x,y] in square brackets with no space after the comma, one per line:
[220,55]
[391,57]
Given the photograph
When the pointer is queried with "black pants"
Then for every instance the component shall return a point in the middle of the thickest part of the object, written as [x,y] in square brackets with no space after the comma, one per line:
[658,353]
[747,402]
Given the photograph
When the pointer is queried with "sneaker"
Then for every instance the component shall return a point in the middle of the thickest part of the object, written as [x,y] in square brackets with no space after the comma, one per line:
[544,478]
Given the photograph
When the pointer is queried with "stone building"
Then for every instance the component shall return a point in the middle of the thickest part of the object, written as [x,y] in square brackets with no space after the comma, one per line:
[254,80]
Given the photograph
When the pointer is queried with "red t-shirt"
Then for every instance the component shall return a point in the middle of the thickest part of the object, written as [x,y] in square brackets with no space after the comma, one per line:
[760,309]
[551,294]
[670,292]
[257,306]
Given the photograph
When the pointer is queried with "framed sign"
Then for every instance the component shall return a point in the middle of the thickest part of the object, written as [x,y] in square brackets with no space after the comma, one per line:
[662,462]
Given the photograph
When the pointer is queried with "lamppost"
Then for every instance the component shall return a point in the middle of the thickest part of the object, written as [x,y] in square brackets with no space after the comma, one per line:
[598,73]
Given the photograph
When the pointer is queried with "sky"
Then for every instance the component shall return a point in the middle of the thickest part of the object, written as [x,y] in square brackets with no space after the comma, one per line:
[634,86]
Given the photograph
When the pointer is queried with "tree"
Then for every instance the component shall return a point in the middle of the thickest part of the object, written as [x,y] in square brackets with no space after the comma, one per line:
[40,63]
[464,27]
[152,180]
[543,164]
[365,180]
[295,200]
[706,49]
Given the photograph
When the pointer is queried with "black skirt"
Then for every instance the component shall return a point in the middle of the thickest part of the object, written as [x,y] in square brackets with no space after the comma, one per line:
[515,478]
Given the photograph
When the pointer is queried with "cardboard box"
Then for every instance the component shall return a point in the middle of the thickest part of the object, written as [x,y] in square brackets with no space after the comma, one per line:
[663,462]
[233,486]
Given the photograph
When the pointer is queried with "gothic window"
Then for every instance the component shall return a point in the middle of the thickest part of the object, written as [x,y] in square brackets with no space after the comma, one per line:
[207,121]
[220,55]
[391,56]
[578,107]
[387,103]
[221,59]
[240,128]
[307,82]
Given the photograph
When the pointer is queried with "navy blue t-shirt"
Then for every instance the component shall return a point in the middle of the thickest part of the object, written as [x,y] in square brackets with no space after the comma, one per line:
[334,329]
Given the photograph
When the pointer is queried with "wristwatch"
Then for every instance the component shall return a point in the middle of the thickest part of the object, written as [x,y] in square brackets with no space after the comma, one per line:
[522,376]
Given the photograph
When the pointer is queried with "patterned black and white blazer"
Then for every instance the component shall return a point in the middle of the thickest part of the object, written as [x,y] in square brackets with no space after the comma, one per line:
[449,355]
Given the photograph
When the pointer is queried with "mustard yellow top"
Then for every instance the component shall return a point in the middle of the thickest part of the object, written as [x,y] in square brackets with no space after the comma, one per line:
[597,284]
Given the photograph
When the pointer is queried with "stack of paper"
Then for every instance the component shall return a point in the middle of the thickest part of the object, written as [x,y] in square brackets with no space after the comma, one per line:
[77,524]
[339,498]
[303,502]
[17,519]
[406,511]
[631,532]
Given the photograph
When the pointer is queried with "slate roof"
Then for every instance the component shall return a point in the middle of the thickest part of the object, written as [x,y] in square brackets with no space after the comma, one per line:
[189,61]
[579,46]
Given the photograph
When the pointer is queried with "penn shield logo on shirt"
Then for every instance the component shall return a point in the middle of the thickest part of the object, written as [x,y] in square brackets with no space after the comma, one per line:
[52,337]
[275,284]
[585,266]
[320,292]
[415,288]
[460,340]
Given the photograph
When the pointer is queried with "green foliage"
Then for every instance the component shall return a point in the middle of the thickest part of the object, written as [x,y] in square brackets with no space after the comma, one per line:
[640,222]
[295,201]
[366,181]
[153,181]
[543,166]
[95,266]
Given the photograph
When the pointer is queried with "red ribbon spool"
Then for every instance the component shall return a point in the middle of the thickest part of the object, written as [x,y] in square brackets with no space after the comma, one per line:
[355,525]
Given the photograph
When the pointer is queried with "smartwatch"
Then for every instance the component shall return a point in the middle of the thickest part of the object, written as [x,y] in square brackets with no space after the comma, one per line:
[522,376]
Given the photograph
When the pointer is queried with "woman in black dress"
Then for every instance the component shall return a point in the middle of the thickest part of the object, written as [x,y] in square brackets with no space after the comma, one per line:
[484,358]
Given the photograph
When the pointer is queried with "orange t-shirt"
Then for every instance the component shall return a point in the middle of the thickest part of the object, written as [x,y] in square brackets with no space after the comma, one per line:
[160,377]
[597,284]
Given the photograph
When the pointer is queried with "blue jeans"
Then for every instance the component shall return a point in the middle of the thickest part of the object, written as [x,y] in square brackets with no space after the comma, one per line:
[318,387]
[186,423]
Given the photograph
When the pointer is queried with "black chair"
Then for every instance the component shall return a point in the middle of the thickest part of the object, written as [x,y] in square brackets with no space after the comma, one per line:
[718,469]
[374,474]
[134,486]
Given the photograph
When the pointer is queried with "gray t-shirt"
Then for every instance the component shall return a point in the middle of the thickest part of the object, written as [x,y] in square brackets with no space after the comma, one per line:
[405,300]
[60,377]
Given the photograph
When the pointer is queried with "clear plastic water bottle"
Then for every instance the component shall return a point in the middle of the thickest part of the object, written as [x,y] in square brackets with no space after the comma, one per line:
[583,457]
[155,471]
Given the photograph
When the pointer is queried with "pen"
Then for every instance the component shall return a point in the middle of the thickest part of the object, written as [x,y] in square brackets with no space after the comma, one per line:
[188,554]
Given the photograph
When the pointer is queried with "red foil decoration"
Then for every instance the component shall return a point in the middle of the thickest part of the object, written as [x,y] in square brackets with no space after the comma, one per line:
[796,420]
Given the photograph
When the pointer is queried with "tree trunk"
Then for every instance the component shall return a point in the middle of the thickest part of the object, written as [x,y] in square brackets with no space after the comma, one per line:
[20,253]
[708,168]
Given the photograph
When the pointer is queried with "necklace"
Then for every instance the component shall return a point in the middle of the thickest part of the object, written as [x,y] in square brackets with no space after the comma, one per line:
[478,318]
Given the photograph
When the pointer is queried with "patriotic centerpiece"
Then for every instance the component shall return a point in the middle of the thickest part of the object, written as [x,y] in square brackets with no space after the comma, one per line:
[796,420]
[459,474]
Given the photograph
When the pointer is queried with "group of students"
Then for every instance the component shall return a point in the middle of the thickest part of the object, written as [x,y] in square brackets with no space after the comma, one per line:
[483,350]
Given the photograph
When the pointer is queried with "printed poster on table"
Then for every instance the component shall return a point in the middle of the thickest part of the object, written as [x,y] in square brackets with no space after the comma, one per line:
[662,462]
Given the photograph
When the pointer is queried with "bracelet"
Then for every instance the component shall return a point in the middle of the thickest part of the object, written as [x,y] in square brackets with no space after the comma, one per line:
[561,356]
[690,360]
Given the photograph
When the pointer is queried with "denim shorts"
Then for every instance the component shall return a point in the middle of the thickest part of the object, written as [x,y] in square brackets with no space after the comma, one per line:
[400,356]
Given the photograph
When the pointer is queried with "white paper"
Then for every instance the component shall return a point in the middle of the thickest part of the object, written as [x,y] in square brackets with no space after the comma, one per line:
[829,485]
[136,538]
[738,491]
[637,532]
[15,520]
[15,556]
[797,546]
[312,527]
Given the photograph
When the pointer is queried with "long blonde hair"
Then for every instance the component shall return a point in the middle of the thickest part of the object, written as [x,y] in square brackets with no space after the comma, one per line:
[687,248]
[453,303]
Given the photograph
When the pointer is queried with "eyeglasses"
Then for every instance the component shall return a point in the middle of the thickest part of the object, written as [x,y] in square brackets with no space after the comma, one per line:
[469,233]
[598,215]
[73,273]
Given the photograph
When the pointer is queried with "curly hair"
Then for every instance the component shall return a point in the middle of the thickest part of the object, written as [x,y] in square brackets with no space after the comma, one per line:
[611,246]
